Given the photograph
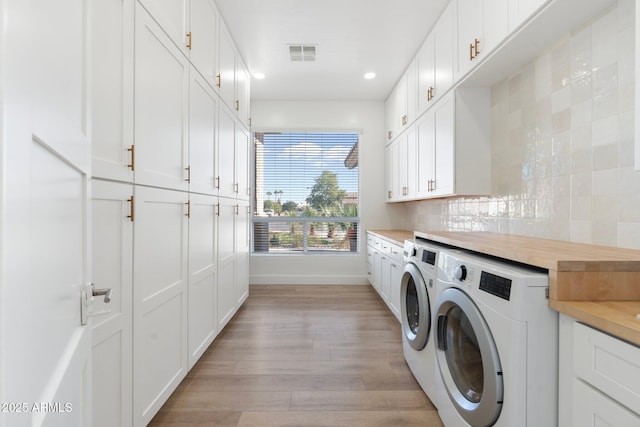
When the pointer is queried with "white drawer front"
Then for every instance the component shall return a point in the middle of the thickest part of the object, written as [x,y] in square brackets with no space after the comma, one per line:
[593,409]
[609,364]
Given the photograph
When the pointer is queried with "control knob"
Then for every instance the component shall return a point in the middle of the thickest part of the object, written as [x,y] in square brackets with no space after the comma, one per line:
[460,272]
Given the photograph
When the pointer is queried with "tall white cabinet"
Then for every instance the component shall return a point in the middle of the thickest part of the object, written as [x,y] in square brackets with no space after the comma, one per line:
[171,199]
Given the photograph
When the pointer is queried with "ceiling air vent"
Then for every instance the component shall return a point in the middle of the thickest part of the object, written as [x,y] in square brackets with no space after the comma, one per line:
[302,52]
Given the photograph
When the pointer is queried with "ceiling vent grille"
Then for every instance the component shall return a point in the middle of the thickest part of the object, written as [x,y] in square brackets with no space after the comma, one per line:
[302,52]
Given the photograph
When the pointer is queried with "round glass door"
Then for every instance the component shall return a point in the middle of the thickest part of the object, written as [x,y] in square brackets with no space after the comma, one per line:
[468,359]
[414,307]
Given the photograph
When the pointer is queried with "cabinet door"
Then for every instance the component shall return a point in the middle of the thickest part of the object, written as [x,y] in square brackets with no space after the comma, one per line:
[385,277]
[444,53]
[377,270]
[203,27]
[226,179]
[171,15]
[426,144]
[112,258]
[226,260]
[400,167]
[411,89]
[389,169]
[521,10]
[394,291]
[161,101]
[227,69]
[242,251]
[591,408]
[242,97]
[469,28]
[203,282]
[159,298]
[410,165]
[444,153]
[202,134]
[495,25]
[112,89]
[242,188]
[426,72]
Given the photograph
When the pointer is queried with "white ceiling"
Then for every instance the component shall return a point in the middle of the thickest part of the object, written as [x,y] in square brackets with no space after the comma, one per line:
[352,37]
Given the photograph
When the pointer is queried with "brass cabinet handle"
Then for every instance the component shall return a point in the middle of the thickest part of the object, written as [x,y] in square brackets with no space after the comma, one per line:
[219,80]
[235,187]
[132,150]
[389,135]
[189,42]
[188,169]
[237,105]
[188,214]
[471,52]
[131,215]
[217,209]
[237,209]
[476,43]
[217,182]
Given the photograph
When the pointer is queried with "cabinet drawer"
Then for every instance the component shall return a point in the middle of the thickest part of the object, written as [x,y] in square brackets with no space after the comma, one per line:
[593,409]
[608,364]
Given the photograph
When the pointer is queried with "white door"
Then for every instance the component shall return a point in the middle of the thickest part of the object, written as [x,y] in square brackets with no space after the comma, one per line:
[444,155]
[172,16]
[444,53]
[161,107]
[243,100]
[426,72]
[112,255]
[45,359]
[426,149]
[159,298]
[203,279]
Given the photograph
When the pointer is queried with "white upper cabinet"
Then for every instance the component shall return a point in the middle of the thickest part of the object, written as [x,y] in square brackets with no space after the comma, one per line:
[453,146]
[173,17]
[243,100]
[161,108]
[192,25]
[112,89]
[227,69]
[481,26]
[521,10]
[202,38]
[202,134]
[401,106]
[435,62]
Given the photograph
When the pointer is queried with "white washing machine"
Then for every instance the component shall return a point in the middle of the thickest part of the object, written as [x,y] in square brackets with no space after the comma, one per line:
[496,344]
[417,302]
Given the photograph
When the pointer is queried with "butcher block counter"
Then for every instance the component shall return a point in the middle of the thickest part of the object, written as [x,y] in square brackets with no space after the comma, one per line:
[598,285]
[395,236]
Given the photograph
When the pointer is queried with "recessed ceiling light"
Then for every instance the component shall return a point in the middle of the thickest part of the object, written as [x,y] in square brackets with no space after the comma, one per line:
[259,76]
[370,76]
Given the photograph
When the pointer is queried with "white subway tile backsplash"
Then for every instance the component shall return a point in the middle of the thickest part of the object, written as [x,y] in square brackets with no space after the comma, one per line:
[562,145]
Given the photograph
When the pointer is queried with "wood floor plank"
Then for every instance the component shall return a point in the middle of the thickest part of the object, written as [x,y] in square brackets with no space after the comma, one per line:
[303,356]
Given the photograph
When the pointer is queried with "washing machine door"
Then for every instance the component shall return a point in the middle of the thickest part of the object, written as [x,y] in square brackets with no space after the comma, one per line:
[414,307]
[468,359]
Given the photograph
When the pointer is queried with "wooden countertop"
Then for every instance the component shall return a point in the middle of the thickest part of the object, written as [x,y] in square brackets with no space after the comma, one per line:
[395,236]
[598,285]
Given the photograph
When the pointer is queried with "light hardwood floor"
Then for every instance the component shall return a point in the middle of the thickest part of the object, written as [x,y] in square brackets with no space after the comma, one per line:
[303,356]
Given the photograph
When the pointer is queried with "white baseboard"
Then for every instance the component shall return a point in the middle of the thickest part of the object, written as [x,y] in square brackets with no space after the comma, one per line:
[307,280]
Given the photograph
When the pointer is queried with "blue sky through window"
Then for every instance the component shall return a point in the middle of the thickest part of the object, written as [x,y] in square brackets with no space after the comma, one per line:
[292,162]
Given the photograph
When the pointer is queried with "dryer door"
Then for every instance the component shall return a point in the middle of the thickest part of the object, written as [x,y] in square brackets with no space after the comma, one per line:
[468,359]
[415,308]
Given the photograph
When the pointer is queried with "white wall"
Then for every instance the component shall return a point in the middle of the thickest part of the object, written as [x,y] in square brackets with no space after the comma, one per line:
[562,140]
[364,117]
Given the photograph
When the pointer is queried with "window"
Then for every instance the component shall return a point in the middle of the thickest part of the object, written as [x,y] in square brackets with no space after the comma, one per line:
[306,193]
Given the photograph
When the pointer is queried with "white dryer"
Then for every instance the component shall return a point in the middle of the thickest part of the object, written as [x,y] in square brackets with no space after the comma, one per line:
[496,344]
[417,302]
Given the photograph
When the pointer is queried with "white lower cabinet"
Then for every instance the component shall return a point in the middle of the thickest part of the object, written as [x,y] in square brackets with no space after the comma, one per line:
[226,260]
[160,298]
[242,250]
[599,378]
[203,280]
[112,261]
[384,269]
